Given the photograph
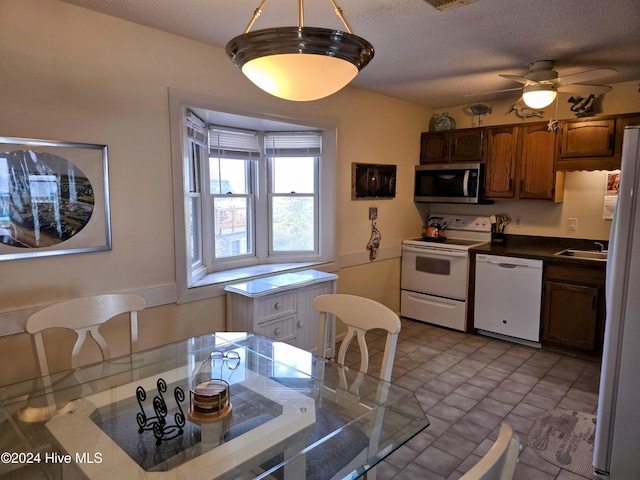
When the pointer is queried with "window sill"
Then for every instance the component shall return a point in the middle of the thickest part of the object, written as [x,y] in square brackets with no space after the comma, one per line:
[249,273]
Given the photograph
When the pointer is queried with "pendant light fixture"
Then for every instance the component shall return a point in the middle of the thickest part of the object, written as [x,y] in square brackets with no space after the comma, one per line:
[300,63]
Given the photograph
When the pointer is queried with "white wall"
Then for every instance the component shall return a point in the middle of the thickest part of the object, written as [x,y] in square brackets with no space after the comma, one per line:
[75,75]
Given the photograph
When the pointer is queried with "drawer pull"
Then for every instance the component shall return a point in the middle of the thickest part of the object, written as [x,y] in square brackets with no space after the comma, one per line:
[277,305]
[276,332]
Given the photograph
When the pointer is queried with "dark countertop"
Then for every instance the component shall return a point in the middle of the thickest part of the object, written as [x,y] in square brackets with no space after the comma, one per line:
[543,248]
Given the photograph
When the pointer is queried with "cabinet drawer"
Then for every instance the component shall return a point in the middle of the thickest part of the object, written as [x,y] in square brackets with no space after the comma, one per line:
[276,306]
[283,329]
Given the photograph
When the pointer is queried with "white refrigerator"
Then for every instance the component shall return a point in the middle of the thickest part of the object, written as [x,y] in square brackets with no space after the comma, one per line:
[617,442]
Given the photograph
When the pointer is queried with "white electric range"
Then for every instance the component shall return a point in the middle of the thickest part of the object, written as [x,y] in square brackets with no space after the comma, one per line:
[435,272]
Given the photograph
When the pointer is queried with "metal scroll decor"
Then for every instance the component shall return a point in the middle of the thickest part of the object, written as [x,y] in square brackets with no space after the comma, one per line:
[162,430]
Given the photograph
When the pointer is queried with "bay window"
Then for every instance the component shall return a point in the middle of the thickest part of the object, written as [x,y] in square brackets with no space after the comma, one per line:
[255,198]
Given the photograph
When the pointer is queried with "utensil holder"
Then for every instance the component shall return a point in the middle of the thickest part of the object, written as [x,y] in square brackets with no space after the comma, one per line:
[498,238]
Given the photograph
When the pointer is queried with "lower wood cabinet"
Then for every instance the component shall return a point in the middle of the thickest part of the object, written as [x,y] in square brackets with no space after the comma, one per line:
[281,307]
[573,307]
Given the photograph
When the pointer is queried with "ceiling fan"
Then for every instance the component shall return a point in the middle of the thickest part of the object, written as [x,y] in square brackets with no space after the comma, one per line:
[542,83]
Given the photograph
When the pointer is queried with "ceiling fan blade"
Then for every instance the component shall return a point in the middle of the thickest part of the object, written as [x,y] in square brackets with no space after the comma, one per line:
[493,91]
[584,89]
[586,76]
[517,78]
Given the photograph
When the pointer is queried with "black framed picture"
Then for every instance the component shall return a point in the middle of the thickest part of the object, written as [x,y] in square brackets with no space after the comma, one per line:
[372,181]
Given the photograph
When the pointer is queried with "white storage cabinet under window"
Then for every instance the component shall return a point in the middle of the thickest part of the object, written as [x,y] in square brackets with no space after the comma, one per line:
[281,307]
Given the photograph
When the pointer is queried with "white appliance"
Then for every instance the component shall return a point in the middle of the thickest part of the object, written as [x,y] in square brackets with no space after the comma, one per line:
[508,296]
[435,272]
[618,425]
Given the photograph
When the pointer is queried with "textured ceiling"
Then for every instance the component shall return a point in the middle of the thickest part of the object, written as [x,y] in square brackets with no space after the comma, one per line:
[425,56]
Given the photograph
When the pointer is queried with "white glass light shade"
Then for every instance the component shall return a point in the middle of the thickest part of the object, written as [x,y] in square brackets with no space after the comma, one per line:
[300,63]
[300,77]
[539,95]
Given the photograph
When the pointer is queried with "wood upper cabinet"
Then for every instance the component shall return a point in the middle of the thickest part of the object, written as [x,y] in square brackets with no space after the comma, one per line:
[434,147]
[520,163]
[589,144]
[588,138]
[573,308]
[464,145]
[536,155]
[500,173]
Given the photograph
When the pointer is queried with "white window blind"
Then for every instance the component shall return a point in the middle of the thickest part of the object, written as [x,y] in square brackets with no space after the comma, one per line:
[196,129]
[232,144]
[293,144]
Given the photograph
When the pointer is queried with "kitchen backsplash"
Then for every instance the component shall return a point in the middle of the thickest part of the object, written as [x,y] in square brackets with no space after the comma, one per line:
[583,202]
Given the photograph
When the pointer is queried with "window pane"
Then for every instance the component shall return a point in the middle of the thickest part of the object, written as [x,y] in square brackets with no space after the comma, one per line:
[231,223]
[228,176]
[293,175]
[194,231]
[293,224]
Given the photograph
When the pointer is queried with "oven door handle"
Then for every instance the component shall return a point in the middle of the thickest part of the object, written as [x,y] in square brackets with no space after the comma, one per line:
[436,252]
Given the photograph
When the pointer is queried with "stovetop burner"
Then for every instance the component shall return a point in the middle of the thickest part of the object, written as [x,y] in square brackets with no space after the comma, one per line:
[449,241]
[462,232]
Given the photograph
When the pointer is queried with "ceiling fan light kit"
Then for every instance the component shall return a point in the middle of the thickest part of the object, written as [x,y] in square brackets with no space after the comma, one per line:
[542,83]
[539,95]
[300,63]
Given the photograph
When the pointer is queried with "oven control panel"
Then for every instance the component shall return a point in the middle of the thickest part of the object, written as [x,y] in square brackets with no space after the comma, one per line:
[470,223]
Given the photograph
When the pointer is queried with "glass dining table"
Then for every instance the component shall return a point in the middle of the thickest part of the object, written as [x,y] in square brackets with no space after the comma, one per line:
[228,405]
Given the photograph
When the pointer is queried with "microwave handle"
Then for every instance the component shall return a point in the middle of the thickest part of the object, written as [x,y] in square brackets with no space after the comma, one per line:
[465,183]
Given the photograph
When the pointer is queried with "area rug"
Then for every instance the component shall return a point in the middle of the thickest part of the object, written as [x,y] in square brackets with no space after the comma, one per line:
[565,438]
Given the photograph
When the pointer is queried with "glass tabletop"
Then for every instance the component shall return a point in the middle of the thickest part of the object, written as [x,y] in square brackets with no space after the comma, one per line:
[227,405]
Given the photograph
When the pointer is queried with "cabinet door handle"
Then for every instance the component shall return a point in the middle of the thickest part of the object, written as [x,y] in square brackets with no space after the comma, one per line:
[276,332]
[277,305]
[300,324]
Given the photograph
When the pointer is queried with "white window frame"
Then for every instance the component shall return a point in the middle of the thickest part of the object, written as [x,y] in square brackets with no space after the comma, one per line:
[189,287]
[317,161]
[213,263]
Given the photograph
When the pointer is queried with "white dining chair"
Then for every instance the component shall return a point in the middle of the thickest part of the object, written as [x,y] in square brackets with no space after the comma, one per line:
[499,463]
[84,315]
[360,315]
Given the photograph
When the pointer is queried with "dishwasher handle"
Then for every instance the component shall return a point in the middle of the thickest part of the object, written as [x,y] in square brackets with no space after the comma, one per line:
[507,265]
[509,262]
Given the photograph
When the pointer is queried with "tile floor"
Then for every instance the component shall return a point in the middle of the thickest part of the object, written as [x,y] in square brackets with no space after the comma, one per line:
[469,385]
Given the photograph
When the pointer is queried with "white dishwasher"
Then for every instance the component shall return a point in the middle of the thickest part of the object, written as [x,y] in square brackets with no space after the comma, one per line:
[508,296]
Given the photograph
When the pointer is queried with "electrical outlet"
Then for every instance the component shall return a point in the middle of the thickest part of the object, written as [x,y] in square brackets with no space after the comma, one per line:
[373,213]
[573,224]
[517,222]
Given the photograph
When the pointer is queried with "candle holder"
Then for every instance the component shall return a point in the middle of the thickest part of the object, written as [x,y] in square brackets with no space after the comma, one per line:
[162,430]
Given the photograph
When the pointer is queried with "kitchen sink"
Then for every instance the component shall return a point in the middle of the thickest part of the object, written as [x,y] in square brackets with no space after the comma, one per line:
[588,254]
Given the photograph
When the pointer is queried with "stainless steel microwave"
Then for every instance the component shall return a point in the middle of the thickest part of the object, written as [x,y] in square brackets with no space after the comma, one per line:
[449,183]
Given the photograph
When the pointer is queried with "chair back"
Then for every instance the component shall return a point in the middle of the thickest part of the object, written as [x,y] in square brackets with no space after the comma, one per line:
[84,315]
[499,463]
[360,315]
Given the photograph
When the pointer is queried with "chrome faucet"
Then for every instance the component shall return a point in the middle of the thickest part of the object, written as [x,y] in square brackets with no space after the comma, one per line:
[601,245]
